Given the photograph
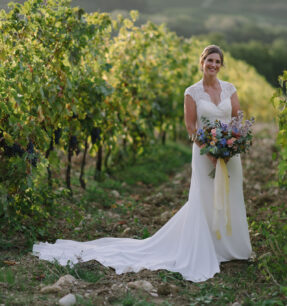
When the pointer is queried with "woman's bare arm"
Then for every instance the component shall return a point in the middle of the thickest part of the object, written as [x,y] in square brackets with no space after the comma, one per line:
[235,108]
[190,119]
[235,105]
[190,115]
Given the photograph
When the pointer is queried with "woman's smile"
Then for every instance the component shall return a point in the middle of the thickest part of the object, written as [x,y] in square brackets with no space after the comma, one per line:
[212,64]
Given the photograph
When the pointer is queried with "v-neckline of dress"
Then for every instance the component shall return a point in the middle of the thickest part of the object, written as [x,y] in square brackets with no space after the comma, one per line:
[220,96]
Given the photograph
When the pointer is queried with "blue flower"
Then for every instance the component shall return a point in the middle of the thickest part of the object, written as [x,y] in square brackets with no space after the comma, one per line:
[226,153]
[235,129]
[224,126]
[200,131]
[223,142]
[202,138]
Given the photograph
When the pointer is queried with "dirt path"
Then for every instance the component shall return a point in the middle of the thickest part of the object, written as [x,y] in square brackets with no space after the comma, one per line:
[139,215]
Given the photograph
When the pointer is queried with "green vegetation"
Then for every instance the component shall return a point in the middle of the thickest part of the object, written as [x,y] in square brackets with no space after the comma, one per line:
[75,83]
[280,102]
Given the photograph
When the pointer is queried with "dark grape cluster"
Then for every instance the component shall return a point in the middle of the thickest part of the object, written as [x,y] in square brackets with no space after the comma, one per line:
[34,161]
[57,135]
[75,116]
[17,150]
[30,149]
[14,150]
[95,134]
[10,151]
[74,145]
[2,140]
[73,142]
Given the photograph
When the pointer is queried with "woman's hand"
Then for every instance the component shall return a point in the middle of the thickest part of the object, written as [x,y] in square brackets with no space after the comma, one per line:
[212,159]
[200,145]
[226,159]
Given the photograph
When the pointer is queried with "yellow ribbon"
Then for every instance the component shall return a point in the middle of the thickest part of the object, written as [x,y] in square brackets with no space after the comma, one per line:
[221,197]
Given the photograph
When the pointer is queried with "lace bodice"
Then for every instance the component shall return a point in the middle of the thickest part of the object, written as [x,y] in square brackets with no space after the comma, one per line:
[205,107]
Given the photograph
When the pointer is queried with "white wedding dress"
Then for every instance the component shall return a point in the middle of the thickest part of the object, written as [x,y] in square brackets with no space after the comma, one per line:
[186,243]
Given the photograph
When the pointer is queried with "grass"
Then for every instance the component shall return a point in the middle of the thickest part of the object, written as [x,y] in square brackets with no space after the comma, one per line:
[54,271]
[7,276]
[157,164]
[151,169]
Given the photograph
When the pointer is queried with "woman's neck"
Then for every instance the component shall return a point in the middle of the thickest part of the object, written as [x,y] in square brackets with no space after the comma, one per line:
[210,81]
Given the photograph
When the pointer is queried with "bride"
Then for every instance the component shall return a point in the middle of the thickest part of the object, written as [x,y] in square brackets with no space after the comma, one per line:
[187,243]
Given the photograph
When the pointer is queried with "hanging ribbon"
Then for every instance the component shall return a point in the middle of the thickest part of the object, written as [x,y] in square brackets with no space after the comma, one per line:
[221,198]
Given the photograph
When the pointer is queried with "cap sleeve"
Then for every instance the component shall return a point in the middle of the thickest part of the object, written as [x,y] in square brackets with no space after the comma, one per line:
[190,91]
[232,89]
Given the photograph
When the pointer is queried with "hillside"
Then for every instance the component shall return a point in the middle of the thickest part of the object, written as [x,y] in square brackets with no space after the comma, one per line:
[275,10]
[237,20]
[254,31]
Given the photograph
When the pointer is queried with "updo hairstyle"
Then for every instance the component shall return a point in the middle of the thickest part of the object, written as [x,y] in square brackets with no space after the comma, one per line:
[209,50]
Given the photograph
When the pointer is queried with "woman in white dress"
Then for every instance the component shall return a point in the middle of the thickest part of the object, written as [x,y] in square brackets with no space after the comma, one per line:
[186,243]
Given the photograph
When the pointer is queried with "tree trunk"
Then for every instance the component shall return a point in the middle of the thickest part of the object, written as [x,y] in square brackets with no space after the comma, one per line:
[82,181]
[174,132]
[51,148]
[99,162]
[107,158]
[68,172]
[163,137]
[125,143]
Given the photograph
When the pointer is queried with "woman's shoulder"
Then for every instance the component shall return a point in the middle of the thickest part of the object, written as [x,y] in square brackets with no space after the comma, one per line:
[228,89]
[193,89]
[227,85]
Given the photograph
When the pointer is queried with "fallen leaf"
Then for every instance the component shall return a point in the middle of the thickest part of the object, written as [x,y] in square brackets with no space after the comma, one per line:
[10,262]
[40,277]
[122,222]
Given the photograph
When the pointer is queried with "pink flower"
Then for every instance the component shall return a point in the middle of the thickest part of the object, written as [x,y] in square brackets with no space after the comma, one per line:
[230,142]
[213,132]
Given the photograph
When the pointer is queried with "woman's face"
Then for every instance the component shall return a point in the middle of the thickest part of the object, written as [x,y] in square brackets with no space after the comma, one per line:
[211,65]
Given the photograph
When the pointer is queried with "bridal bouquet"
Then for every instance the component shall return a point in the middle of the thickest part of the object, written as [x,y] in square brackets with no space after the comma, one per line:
[225,140]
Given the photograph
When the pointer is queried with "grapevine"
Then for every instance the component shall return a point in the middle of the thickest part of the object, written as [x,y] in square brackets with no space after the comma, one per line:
[92,85]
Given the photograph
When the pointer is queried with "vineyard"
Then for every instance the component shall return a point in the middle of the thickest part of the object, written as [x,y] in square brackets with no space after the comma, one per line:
[84,96]
[74,83]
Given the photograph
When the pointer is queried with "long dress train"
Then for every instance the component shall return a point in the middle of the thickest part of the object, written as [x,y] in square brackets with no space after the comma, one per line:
[186,243]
